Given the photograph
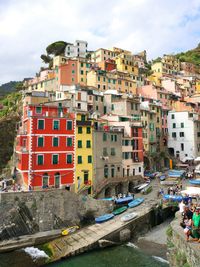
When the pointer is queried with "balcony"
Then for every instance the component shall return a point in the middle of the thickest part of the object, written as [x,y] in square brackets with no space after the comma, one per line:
[83,123]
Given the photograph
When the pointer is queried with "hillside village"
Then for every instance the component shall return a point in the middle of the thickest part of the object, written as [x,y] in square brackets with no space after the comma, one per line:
[96,116]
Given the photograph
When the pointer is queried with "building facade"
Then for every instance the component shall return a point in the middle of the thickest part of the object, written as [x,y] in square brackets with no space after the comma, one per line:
[45,146]
[184,134]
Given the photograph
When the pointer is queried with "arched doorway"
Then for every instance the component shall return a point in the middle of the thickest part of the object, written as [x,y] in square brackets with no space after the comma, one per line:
[119,189]
[57,180]
[171,151]
[45,180]
[108,192]
[131,187]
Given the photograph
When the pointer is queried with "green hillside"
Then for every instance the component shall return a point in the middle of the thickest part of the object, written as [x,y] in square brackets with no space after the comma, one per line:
[8,88]
[192,56]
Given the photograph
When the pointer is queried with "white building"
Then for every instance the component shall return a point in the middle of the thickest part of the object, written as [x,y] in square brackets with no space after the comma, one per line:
[79,49]
[184,134]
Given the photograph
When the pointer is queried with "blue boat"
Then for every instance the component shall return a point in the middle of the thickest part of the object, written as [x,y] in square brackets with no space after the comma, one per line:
[135,202]
[123,200]
[195,182]
[162,177]
[177,171]
[107,198]
[175,198]
[104,218]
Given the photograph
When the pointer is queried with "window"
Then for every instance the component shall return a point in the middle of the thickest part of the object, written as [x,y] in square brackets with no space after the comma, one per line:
[182,125]
[89,159]
[104,137]
[41,124]
[99,78]
[55,159]
[174,135]
[81,64]
[69,141]
[38,110]
[55,141]
[40,159]
[83,117]
[112,107]
[69,158]
[182,147]
[80,130]
[79,143]
[40,141]
[73,71]
[69,125]
[198,134]
[112,153]
[88,130]
[106,171]
[174,125]
[115,137]
[88,144]
[139,169]
[79,159]
[181,134]
[55,125]
[82,72]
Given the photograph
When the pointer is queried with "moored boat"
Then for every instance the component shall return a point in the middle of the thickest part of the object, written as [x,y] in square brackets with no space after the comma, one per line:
[195,182]
[120,210]
[104,218]
[175,198]
[123,200]
[129,216]
[70,230]
[135,202]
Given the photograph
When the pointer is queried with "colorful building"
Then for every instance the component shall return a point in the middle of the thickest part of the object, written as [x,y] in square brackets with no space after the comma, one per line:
[84,155]
[45,146]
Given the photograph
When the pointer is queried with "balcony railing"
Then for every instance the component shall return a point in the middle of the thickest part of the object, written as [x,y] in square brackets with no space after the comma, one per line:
[83,123]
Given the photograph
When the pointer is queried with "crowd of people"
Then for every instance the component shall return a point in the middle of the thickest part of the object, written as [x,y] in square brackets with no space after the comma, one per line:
[190,220]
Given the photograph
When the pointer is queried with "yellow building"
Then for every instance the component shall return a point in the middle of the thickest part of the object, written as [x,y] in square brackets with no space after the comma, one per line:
[197,86]
[83,67]
[169,64]
[84,155]
[125,63]
[113,80]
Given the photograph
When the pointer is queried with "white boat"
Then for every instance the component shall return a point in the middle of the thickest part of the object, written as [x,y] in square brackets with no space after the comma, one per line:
[142,186]
[129,216]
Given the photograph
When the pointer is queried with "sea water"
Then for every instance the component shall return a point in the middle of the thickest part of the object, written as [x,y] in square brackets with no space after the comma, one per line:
[126,256]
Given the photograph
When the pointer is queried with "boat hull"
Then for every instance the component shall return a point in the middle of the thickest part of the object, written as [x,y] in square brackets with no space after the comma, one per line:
[135,202]
[104,218]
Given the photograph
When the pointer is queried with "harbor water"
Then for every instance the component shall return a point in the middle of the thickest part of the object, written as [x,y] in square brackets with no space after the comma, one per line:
[126,256]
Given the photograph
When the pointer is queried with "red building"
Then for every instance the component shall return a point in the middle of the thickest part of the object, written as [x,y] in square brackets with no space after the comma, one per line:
[45,146]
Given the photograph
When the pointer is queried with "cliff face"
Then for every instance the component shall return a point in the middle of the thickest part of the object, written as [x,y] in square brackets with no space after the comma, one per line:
[30,212]
[180,252]
[10,114]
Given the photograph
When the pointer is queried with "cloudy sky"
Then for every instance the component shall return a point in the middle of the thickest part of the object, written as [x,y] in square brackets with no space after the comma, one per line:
[28,26]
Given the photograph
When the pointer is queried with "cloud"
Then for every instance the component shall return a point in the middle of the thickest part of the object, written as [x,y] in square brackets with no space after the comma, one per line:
[27,27]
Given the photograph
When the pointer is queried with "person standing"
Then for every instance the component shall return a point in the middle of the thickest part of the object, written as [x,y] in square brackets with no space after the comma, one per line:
[196,225]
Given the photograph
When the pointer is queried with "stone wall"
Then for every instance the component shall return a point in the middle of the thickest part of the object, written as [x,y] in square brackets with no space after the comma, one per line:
[31,212]
[180,252]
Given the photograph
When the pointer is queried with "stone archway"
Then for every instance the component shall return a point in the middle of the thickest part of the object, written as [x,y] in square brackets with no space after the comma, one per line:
[108,192]
[131,187]
[119,189]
